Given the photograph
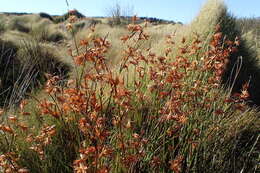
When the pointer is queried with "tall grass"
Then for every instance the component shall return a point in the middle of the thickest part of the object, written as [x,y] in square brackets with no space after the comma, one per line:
[46,31]
[23,68]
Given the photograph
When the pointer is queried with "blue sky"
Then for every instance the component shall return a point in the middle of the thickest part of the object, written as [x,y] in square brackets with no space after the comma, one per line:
[177,10]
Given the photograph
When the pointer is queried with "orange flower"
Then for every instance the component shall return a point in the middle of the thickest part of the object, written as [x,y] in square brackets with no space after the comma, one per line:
[176,164]
[124,38]
[79,60]
[12,118]
[6,129]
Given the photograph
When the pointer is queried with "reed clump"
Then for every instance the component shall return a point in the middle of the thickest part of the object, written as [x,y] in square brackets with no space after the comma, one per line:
[152,113]
[155,111]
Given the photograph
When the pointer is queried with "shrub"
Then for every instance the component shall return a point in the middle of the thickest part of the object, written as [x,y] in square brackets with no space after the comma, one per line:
[45,15]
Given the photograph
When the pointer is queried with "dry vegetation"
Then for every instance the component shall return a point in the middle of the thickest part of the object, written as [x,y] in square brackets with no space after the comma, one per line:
[129,98]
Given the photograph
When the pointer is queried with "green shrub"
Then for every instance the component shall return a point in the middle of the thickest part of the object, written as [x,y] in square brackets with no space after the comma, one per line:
[46,15]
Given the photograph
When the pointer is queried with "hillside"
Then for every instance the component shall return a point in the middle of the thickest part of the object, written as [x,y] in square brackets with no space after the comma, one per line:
[97,95]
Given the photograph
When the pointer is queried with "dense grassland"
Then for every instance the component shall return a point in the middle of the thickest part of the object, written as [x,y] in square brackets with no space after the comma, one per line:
[85,96]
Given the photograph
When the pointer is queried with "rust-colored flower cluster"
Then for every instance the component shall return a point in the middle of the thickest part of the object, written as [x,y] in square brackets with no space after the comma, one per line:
[125,122]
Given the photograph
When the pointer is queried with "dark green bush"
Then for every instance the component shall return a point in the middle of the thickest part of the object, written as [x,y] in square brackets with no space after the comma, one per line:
[45,15]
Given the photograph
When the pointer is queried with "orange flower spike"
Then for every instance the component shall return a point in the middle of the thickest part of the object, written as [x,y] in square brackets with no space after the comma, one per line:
[145,36]
[84,43]
[13,118]
[79,60]
[183,50]
[218,36]
[23,127]
[124,38]
[103,170]
[244,93]
[156,161]
[7,129]
[245,86]
[182,119]
[176,164]
[137,28]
